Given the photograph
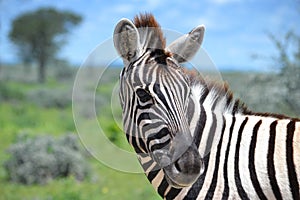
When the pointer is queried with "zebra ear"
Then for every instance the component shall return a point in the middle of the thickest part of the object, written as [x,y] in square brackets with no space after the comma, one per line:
[126,39]
[185,47]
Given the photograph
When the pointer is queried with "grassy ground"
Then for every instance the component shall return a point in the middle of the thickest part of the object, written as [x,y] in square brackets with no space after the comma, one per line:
[25,109]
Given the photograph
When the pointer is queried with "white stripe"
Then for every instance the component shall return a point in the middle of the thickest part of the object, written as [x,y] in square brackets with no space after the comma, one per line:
[244,157]
[280,158]
[220,180]
[296,146]
[195,97]
[207,104]
[231,157]
[260,158]
[158,179]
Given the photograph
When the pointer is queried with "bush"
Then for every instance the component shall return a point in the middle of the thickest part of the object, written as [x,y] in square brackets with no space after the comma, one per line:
[65,73]
[290,76]
[41,159]
[8,92]
[51,98]
[288,60]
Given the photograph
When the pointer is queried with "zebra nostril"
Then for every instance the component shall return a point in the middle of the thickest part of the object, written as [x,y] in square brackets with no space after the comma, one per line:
[185,170]
[188,164]
[177,166]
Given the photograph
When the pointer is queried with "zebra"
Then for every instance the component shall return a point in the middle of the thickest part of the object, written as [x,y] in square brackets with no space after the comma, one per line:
[193,139]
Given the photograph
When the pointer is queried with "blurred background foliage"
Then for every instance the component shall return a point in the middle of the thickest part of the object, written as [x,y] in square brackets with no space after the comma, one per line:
[38,36]
[40,154]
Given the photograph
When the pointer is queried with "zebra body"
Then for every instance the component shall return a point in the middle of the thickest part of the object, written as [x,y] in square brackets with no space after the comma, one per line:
[193,140]
[245,163]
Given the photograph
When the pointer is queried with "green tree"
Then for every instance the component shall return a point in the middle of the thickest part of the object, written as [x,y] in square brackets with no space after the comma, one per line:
[288,59]
[39,35]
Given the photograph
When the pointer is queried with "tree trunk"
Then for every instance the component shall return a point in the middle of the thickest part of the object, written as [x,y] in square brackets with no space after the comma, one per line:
[42,70]
[27,67]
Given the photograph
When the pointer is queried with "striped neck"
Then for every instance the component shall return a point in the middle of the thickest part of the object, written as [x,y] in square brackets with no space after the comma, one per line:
[209,104]
[219,126]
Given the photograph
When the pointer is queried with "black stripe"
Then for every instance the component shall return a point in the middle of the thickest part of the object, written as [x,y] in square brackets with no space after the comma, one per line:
[173,193]
[235,108]
[146,165]
[138,148]
[213,184]
[151,125]
[127,136]
[211,134]
[143,147]
[251,164]
[130,67]
[201,121]
[150,72]
[170,95]
[125,105]
[141,140]
[212,130]
[135,63]
[237,177]
[226,187]
[134,145]
[145,106]
[152,175]
[146,115]
[142,116]
[131,107]
[294,185]
[200,127]
[204,95]
[162,187]
[123,71]
[159,135]
[160,95]
[168,110]
[270,161]
[159,146]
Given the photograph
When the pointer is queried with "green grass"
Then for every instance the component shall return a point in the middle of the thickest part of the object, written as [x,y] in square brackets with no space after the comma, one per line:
[18,114]
[105,184]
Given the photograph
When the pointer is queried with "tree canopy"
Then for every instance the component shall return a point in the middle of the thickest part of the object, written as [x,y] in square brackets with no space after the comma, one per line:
[288,59]
[39,35]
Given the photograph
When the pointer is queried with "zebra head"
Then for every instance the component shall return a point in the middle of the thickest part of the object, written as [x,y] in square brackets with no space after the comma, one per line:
[155,97]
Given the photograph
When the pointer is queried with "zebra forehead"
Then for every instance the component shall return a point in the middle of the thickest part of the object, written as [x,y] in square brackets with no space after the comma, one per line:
[148,20]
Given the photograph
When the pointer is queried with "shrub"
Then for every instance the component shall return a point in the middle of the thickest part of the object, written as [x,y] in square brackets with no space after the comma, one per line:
[51,98]
[64,73]
[8,92]
[41,159]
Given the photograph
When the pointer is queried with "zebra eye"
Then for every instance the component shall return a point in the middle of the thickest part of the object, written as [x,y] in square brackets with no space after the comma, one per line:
[143,95]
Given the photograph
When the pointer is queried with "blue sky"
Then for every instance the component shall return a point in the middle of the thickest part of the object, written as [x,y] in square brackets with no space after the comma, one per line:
[235,29]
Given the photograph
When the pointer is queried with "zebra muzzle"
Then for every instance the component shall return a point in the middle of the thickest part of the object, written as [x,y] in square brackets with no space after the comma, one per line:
[186,169]
[182,165]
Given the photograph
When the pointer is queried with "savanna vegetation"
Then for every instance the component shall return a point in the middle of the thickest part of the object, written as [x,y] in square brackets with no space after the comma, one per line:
[38,35]
[36,114]
[29,110]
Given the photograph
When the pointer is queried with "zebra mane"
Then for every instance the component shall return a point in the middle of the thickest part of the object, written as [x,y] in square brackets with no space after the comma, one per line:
[218,91]
[150,31]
